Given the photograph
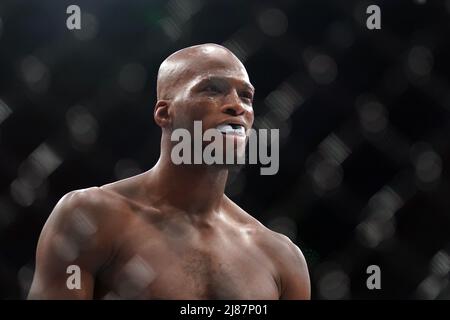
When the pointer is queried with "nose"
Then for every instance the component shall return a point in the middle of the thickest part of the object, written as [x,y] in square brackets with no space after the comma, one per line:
[234,106]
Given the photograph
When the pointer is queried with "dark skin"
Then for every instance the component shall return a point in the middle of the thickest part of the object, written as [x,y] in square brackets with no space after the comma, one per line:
[171,232]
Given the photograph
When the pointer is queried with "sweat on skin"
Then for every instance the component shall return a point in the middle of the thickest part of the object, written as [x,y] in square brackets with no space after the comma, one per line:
[188,91]
[211,85]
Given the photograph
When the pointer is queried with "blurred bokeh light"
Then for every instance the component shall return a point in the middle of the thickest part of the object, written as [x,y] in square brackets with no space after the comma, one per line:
[363,116]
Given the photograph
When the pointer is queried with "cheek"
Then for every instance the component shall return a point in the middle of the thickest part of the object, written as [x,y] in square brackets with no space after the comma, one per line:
[180,114]
[202,107]
[185,112]
[251,117]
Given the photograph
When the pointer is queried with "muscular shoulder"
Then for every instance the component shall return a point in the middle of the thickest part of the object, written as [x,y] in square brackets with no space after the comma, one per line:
[90,198]
[82,221]
[286,256]
[271,241]
[78,233]
[291,265]
[93,203]
[279,246]
[128,189]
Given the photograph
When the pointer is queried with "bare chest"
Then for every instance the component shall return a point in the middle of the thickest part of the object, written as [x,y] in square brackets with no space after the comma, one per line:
[222,268]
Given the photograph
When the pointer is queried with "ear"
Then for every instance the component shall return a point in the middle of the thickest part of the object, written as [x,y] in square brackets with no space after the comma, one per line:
[161,113]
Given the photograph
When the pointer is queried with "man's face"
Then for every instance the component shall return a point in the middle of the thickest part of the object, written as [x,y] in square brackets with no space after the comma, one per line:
[216,90]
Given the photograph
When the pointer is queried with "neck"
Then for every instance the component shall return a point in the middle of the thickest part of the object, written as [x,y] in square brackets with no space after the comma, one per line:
[194,189]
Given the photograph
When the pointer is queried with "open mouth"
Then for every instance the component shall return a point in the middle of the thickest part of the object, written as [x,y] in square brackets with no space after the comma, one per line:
[231,128]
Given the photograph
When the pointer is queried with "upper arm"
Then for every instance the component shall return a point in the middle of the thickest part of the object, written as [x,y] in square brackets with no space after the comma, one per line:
[295,282]
[70,237]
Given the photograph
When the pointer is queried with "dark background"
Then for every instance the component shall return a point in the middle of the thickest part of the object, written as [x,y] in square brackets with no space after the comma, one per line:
[363,116]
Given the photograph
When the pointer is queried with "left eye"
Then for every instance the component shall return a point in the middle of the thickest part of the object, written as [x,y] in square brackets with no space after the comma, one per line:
[211,89]
[247,95]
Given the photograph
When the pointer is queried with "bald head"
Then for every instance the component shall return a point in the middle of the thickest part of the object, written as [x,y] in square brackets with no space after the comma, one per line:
[191,62]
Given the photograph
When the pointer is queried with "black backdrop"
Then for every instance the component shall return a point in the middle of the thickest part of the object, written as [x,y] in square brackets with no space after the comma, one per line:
[363,116]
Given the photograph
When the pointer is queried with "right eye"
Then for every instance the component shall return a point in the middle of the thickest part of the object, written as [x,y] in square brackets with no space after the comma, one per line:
[211,88]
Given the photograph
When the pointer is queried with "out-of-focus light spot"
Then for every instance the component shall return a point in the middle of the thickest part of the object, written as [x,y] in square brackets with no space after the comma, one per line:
[238,48]
[46,158]
[35,74]
[384,204]
[380,224]
[171,28]
[429,288]
[136,275]
[322,69]
[420,1]
[89,27]
[368,234]
[126,168]
[284,225]
[371,233]
[269,121]
[334,285]
[132,77]
[264,122]
[373,116]
[420,61]
[111,296]
[326,176]
[428,166]
[5,111]
[334,148]
[447,5]
[39,165]
[66,247]
[440,264]
[176,232]
[84,226]
[82,125]
[341,35]
[25,277]
[284,101]
[273,22]
[244,42]
[183,10]
[22,192]
[32,174]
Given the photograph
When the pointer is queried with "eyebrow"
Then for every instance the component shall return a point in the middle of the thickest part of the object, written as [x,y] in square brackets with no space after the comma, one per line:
[226,79]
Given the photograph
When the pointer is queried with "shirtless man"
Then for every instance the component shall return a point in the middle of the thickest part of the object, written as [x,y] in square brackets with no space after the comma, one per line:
[171,232]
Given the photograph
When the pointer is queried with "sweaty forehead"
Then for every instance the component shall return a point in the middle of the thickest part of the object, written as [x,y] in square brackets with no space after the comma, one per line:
[198,62]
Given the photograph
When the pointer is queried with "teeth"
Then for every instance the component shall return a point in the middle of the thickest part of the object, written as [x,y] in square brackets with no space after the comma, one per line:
[224,128]
[240,131]
[228,129]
